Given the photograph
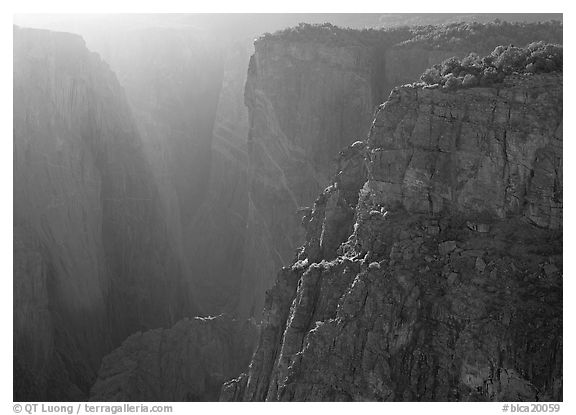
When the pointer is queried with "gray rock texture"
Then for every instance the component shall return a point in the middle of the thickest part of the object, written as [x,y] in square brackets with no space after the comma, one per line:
[311,92]
[491,151]
[447,284]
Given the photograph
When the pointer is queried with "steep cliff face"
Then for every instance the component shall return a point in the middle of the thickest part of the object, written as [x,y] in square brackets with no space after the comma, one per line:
[313,90]
[432,268]
[301,98]
[186,87]
[92,256]
[495,153]
[188,362]
[306,100]
[173,78]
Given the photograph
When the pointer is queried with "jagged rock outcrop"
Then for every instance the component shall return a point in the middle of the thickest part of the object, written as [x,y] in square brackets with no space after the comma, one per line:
[188,362]
[93,260]
[448,284]
[489,151]
[312,90]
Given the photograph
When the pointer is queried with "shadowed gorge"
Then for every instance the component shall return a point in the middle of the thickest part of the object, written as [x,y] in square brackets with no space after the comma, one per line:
[357,210]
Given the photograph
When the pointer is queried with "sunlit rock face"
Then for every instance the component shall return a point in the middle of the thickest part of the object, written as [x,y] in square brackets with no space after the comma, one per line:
[306,100]
[437,291]
[92,257]
[311,92]
[491,151]
[188,362]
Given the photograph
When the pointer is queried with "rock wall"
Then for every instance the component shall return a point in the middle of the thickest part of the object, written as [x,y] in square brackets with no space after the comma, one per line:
[93,260]
[495,153]
[312,91]
[447,284]
[188,362]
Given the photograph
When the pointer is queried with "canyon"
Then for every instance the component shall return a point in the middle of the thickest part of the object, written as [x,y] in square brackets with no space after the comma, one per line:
[174,181]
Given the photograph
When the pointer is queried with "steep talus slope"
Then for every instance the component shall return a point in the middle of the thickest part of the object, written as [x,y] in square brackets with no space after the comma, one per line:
[447,284]
[92,256]
[187,362]
[312,90]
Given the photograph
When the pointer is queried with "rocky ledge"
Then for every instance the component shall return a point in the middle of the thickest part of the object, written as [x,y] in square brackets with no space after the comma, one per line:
[432,268]
[312,90]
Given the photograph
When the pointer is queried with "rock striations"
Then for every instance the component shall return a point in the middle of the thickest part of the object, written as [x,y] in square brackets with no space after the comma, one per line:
[432,267]
[311,91]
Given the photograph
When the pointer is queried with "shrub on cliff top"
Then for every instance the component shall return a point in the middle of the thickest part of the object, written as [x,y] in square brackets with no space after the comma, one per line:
[470,81]
[482,36]
[451,66]
[538,57]
[455,36]
[432,75]
[451,82]
[329,34]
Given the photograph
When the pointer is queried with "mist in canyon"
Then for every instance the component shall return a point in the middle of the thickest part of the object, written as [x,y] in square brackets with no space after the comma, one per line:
[271,207]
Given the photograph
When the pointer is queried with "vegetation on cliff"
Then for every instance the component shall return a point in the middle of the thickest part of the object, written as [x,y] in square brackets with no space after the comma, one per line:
[327,33]
[453,73]
[479,36]
[455,36]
